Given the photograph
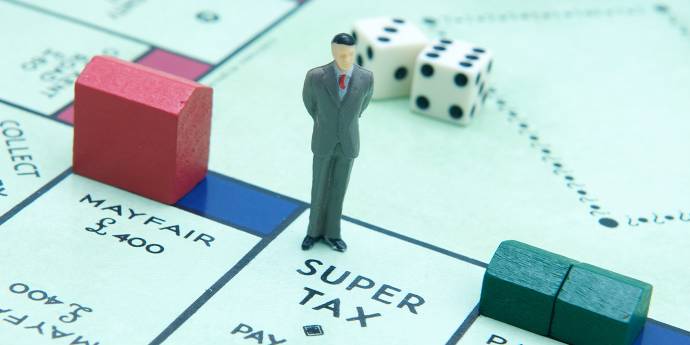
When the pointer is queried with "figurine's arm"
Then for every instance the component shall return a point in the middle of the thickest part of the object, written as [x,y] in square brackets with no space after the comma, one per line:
[308,95]
[367,98]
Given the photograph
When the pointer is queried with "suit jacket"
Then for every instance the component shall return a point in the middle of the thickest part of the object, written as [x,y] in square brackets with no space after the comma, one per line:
[336,121]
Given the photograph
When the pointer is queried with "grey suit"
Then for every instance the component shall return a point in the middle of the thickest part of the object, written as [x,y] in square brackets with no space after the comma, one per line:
[335,141]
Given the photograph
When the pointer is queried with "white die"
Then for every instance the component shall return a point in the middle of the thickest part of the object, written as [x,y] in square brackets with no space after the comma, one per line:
[451,80]
[388,47]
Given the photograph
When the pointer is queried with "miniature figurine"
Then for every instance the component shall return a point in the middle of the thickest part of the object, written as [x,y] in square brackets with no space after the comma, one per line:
[335,96]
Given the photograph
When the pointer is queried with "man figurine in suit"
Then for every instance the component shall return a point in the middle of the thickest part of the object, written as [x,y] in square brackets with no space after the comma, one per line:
[335,96]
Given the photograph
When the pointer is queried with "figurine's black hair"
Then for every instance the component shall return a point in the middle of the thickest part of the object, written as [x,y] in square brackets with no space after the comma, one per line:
[343,38]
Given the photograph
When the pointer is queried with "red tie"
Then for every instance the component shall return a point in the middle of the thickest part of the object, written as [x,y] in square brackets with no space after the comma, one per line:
[341,81]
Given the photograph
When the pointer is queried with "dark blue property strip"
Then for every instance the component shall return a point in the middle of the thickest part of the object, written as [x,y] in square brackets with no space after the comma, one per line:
[240,205]
[469,320]
[658,333]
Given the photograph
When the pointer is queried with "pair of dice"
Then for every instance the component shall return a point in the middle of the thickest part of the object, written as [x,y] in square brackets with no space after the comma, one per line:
[446,79]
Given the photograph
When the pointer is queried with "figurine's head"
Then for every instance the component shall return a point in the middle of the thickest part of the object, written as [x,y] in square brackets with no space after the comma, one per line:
[343,48]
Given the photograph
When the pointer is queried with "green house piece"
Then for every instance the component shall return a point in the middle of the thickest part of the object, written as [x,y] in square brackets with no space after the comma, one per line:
[600,307]
[521,284]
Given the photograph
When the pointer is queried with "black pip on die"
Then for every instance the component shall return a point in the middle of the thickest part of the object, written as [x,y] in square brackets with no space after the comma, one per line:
[451,80]
[388,47]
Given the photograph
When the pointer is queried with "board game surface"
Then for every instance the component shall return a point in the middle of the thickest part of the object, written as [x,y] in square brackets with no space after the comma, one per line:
[582,149]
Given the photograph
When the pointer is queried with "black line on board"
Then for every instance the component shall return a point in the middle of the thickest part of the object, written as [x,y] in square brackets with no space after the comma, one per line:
[287,221]
[254,39]
[234,270]
[22,108]
[34,196]
[417,242]
[33,112]
[464,326]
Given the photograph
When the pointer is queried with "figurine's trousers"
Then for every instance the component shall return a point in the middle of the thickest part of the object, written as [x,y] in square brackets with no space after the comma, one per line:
[331,174]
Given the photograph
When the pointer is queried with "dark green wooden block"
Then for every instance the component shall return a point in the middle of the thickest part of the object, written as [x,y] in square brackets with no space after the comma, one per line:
[600,307]
[520,286]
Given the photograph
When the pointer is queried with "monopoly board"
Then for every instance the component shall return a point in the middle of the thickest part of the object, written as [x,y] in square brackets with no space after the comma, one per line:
[582,149]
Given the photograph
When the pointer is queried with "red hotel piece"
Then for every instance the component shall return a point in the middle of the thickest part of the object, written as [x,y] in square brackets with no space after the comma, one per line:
[140,129]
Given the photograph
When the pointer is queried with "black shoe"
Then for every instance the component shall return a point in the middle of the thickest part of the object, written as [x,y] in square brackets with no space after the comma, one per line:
[336,244]
[309,241]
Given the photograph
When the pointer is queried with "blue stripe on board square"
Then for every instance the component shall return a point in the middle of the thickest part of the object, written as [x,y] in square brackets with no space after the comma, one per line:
[657,333]
[240,205]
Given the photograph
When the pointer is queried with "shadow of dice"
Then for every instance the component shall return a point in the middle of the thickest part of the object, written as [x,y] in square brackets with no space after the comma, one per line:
[451,80]
[388,47]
